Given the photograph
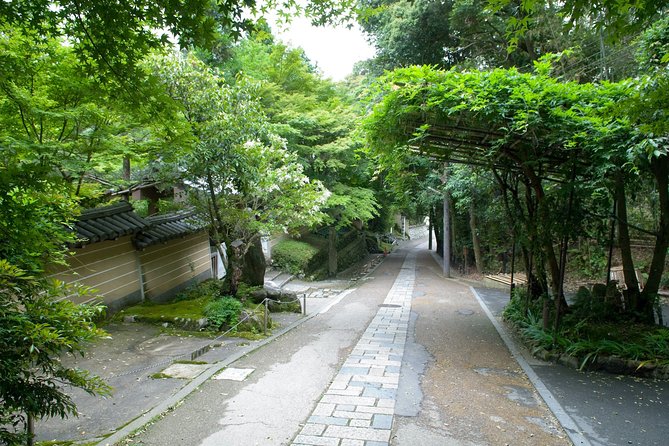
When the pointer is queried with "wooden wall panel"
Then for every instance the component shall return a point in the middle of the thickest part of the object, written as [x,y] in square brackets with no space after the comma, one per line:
[110,267]
[168,267]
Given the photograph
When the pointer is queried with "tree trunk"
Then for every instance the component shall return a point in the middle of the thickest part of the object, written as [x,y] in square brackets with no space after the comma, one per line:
[30,430]
[332,251]
[438,230]
[476,242]
[253,272]
[632,292]
[547,240]
[126,168]
[660,169]
[234,272]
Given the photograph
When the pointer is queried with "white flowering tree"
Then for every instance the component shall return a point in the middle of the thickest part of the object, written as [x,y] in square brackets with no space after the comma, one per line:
[247,183]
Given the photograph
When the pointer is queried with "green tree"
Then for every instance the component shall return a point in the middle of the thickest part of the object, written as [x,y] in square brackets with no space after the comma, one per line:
[245,182]
[37,325]
[469,33]
[530,124]
[317,118]
[113,36]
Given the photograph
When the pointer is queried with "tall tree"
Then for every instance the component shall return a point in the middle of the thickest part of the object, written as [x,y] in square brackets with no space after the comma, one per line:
[317,118]
[245,182]
[37,323]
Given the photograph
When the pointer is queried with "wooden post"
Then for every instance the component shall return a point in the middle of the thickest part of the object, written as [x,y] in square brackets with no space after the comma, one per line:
[612,235]
[447,229]
[513,266]
[429,230]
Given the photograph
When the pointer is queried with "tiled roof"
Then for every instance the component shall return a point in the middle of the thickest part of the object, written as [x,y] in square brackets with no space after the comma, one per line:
[166,227]
[108,223]
[119,219]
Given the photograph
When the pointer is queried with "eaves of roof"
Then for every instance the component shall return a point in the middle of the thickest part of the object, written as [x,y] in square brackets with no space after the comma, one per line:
[166,227]
[119,219]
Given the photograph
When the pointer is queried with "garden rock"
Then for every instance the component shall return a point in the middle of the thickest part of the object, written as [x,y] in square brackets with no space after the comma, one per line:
[252,322]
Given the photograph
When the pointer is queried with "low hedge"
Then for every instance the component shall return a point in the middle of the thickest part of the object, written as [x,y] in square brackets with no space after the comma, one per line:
[293,256]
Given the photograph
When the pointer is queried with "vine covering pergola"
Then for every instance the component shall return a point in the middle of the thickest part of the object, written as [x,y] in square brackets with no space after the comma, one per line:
[556,138]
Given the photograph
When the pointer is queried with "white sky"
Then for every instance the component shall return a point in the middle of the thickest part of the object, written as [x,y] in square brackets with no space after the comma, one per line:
[333,49]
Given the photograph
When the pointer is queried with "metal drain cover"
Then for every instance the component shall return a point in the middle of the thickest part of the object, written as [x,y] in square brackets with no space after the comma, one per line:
[390,306]
[465,312]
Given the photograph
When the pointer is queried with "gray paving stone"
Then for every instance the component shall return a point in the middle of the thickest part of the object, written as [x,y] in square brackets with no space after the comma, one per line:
[345,407]
[386,402]
[357,409]
[357,433]
[380,393]
[313,429]
[354,400]
[317,419]
[349,391]
[351,370]
[324,409]
[381,421]
[358,422]
[313,440]
[368,409]
[352,414]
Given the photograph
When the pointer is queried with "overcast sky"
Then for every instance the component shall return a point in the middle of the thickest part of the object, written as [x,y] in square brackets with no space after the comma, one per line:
[334,50]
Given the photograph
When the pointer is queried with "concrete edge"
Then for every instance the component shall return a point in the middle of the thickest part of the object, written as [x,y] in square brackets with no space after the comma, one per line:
[567,422]
[189,388]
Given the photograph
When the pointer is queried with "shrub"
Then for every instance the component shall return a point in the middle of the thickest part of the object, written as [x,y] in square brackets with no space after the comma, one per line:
[585,334]
[223,311]
[293,256]
[245,292]
[208,289]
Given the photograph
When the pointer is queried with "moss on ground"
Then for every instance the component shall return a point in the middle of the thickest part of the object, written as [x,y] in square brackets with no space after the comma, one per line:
[156,312]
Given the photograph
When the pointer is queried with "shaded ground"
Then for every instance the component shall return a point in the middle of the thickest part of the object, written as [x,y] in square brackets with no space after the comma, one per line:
[472,391]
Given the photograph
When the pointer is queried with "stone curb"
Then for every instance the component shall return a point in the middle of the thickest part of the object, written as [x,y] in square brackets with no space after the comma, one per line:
[568,424]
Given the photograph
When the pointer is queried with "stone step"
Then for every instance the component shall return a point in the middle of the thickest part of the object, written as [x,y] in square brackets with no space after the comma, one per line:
[271,274]
[279,280]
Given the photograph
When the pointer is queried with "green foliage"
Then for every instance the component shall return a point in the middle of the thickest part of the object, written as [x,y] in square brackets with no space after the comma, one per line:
[293,256]
[37,327]
[111,45]
[347,204]
[653,48]
[586,335]
[223,311]
[588,260]
[208,289]
[245,292]
[316,118]
[412,32]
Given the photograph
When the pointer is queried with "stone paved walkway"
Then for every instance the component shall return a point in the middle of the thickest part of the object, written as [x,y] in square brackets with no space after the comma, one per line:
[357,409]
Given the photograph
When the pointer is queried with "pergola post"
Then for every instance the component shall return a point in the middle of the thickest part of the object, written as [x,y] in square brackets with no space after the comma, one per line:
[447,228]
